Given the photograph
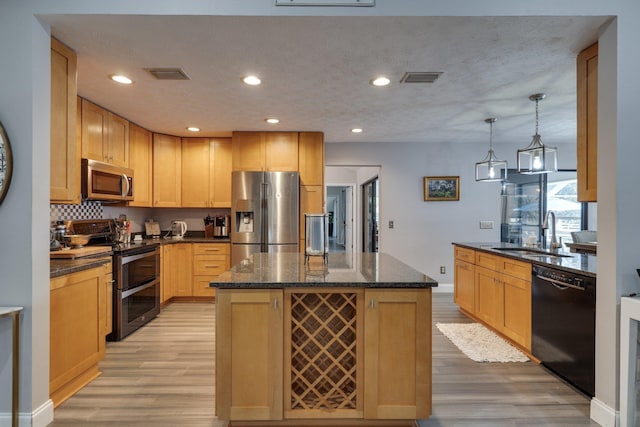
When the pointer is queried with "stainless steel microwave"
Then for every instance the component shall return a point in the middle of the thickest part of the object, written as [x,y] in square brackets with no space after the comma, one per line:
[106,182]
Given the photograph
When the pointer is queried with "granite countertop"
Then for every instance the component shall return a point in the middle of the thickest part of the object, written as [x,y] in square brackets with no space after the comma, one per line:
[60,267]
[571,262]
[284,270]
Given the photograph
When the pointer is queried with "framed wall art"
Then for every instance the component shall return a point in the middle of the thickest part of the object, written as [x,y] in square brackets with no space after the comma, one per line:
[441,188]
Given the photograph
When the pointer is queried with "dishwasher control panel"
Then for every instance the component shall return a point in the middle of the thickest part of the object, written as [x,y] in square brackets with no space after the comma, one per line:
[563,277]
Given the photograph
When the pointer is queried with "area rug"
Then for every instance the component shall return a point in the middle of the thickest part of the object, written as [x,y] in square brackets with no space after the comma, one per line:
[480,344]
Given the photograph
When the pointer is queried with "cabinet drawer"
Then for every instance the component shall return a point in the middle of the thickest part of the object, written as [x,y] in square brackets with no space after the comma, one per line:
[210,265]
[465,254]
[492,262]
[201,286]
[211,248]
[519,269]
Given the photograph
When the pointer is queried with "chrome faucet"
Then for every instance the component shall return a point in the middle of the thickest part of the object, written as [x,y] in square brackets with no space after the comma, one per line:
[545,226]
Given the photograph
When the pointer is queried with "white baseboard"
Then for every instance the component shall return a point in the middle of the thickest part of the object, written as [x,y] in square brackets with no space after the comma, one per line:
[604,414]
[443,287]
[41,417]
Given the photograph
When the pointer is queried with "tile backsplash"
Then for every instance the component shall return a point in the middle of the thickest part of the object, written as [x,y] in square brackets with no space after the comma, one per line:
[86,210]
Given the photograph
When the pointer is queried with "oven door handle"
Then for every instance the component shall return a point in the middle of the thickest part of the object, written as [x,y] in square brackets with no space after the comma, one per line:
[130,258]
[137,289]
[559,285]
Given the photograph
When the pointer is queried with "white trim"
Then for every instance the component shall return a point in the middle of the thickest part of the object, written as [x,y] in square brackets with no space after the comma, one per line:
[41,417]
[603,414]
[443,288]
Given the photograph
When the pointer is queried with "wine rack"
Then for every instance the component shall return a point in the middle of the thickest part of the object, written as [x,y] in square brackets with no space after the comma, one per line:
[324,351]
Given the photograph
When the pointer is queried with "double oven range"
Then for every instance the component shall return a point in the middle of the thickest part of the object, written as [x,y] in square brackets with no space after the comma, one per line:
[136,276]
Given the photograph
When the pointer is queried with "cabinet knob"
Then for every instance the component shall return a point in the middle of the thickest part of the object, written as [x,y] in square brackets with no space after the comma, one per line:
[372,303]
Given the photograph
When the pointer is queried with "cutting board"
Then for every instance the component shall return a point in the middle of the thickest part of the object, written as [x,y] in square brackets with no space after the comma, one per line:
[79,252]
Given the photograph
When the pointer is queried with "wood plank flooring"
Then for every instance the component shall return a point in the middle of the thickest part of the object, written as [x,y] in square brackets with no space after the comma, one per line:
[163,375]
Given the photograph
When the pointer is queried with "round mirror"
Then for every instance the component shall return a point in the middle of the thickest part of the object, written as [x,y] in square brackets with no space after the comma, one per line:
[6,163]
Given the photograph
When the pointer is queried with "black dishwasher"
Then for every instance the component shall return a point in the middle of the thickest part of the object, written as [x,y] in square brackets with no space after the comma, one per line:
[563,321]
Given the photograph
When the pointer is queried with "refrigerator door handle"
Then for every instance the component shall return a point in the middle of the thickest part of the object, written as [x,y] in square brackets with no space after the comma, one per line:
[264,232]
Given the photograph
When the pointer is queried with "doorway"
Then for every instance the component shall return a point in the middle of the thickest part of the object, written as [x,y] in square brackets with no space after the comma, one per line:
[340,208]
[370,215]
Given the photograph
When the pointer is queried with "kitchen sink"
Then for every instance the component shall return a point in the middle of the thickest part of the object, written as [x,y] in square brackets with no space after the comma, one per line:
[530,252]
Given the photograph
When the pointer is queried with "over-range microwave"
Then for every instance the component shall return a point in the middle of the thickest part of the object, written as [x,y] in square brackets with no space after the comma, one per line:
[106,182]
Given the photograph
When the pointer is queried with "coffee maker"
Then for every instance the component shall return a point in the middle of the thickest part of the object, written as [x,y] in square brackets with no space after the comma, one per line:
[221,226]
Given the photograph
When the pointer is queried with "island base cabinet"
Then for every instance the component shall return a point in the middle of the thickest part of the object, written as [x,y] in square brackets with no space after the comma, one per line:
[249,343]
[397,363]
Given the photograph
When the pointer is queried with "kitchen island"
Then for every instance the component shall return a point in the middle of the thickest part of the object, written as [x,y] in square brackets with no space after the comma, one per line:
[307,344]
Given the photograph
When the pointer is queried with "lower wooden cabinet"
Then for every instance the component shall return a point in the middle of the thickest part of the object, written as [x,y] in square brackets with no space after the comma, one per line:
[249,366]
[495,290]
[323,353]
[188,268]
[78,324]
[107,271]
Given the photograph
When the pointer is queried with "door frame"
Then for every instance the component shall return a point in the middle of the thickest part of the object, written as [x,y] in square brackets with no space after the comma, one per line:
[354,218]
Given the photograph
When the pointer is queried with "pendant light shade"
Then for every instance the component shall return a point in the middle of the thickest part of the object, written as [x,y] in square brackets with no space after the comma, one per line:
[537,157]
[491,169]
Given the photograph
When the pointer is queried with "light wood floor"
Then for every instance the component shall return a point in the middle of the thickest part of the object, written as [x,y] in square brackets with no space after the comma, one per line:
[163,375]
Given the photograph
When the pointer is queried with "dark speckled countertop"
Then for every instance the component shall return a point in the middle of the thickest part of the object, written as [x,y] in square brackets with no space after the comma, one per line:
[284,270]
[571,262]
[60,267]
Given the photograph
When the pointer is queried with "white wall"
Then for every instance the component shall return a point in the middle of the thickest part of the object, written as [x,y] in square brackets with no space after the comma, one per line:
[423,231]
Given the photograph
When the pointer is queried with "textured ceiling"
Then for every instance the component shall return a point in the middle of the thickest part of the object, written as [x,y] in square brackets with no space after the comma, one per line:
[316,73]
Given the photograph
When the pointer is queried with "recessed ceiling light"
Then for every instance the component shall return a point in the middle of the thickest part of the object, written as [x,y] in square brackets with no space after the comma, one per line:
[272,120]
[380,81]
[193,129]
[356,130]
[252,80]
[121,79]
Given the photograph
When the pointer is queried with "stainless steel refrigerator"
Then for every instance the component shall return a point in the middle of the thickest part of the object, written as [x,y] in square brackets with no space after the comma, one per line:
[264,213]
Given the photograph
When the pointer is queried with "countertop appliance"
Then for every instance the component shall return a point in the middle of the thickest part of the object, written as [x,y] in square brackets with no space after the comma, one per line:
[178,229]
[264,213]
[221,226]
[136,275]
[563,322]
[106,182]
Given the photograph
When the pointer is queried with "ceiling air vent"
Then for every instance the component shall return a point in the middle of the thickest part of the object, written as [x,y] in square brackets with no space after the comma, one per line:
[168,73]
[420,77]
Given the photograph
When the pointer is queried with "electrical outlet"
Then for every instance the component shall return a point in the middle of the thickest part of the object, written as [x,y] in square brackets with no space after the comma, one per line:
[486,224]
[443,270]
[391,224]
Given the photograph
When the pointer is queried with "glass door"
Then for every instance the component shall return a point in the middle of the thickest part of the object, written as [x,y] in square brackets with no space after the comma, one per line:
[370,216]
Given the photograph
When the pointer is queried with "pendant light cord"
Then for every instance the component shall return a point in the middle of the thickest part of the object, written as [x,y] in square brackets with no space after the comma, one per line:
[537,116]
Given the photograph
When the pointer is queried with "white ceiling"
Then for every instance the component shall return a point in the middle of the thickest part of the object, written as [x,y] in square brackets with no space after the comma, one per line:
[316,73]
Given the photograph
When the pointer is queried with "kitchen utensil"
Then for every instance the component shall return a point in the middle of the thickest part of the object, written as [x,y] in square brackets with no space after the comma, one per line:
[178,229]
[77,240]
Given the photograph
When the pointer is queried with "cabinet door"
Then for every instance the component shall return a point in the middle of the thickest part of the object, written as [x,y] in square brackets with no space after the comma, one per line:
[195,172]
[181,271]
[248,151]
[516,318]
[311,201]
[76,329]
[167,171]
[249,337]
[118,140]
[94,132]
[108,298]
[311,158]
[220,184]
[464,283]
[65,152]
[488,296]
[166,290]
[141,161]
[587,119]
[397,355]
[281,151]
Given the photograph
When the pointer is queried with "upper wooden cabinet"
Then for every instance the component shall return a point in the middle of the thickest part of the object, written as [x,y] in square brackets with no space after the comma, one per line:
[311,158]
[141,161]
[206,172]
[587,96]
[65,151]
[265,151]
[105,136]
[167,171]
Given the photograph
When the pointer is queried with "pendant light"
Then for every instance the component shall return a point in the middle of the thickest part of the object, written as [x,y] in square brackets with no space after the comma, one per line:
[537,157]
[491,169]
